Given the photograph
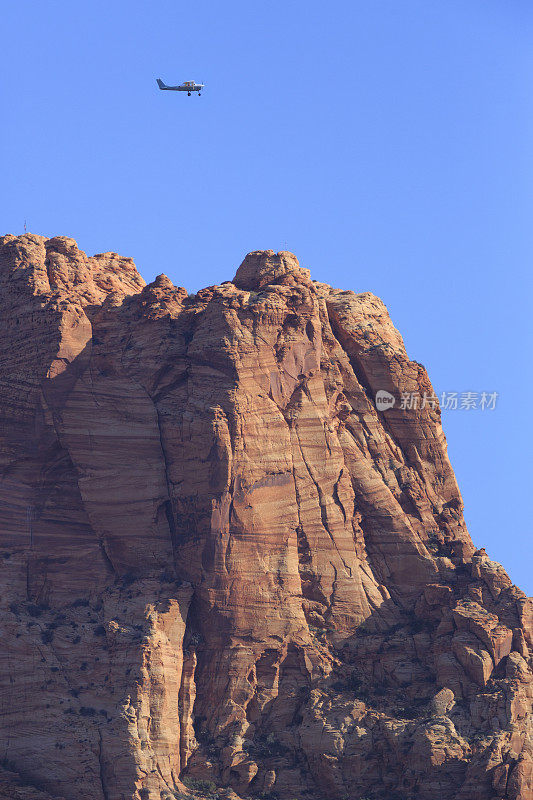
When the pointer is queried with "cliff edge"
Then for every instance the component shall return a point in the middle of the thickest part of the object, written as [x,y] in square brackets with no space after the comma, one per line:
[224,572]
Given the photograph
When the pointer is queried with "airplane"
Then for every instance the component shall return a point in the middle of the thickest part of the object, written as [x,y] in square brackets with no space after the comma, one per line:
[186,86]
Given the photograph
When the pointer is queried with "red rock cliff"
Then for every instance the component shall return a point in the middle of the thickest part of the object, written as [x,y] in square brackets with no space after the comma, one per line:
[219,562]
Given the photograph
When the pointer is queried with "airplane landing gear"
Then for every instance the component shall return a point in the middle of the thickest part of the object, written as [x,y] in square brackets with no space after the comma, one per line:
[199,94]
[188,94]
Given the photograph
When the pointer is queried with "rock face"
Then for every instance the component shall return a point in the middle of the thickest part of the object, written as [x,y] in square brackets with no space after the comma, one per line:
[219,562]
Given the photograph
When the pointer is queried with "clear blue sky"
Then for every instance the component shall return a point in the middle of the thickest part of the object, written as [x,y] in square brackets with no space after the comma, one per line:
[387,143]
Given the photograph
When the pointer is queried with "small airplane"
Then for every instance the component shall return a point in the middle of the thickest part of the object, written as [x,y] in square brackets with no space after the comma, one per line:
[187,86]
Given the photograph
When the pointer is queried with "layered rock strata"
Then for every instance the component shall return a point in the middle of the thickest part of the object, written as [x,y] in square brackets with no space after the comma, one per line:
[221,565]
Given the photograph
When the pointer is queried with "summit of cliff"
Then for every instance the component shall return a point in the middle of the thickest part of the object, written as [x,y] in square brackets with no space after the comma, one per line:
[264,268]
[223,571]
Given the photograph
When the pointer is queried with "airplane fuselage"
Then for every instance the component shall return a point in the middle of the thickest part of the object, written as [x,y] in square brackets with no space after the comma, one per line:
[197,87]
[187,86]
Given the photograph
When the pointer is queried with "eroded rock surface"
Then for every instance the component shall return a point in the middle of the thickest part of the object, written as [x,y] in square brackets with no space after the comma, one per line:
[220,563]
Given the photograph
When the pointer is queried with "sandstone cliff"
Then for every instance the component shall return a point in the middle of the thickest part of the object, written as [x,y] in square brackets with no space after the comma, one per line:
[220,564]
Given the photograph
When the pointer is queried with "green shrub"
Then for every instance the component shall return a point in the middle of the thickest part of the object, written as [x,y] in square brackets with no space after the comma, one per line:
[201,787]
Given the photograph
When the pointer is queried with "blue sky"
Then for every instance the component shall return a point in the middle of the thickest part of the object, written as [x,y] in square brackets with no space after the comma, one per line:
[388,143]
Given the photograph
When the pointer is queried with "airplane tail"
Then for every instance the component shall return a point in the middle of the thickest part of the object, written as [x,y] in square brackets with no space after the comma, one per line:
[161,84]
